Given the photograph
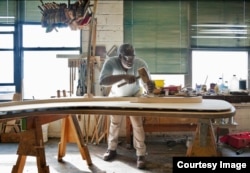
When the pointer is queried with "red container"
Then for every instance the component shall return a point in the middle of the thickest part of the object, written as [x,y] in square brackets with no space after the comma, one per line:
[237,140]
[172,89]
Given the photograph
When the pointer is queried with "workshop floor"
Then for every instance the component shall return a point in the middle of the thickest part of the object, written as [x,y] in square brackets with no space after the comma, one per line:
[159,159]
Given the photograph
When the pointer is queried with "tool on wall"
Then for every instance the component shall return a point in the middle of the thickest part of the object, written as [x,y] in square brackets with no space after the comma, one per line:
[82,75]
[76,15]
[58,92]
[112,51]
[73,64]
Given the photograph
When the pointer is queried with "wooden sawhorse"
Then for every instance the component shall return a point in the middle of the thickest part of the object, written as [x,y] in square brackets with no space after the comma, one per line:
[204,143]
[31,141]
[71,132]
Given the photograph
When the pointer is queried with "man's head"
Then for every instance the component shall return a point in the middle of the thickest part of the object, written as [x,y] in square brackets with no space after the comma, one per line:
[126,53]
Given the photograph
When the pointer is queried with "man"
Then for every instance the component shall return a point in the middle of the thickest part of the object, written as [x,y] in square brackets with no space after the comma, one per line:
[115,71]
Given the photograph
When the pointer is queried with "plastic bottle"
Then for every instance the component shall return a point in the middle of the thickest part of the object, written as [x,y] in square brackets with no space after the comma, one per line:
[220,84]
[226,89]
[216,89]
[234,83]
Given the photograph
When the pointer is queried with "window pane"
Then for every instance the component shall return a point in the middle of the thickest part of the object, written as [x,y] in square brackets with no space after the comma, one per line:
[215,64]
[7,11]
[219,23]
[6,41]
[44,73]
[7,28]
[36,36]
[6,67]
[6,92]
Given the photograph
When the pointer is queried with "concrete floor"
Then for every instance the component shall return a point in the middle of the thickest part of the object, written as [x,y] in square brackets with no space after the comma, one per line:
[159,158]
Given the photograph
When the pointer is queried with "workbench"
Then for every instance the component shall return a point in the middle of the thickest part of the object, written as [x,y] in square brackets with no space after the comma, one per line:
[187,125]
[38,112]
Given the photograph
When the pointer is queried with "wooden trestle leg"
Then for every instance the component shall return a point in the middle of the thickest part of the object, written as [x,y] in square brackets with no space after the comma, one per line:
[204,143]
[31,141]
[31,144]
[71,132]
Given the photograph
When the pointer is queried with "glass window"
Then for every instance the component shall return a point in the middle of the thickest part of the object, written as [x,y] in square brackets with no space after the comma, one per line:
[6,67]
[44,73]
[6,92]
[8,11]
[6,41]
[7,28]
[7,86]
[209,66]
[36,36]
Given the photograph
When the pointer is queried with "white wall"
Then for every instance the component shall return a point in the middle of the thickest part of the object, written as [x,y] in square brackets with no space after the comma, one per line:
[109,32]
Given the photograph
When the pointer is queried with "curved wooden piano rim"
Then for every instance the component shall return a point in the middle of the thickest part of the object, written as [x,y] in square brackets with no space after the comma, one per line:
[207,109]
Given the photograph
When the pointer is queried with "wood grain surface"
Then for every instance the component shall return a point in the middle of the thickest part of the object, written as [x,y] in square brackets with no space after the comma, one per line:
[169,99]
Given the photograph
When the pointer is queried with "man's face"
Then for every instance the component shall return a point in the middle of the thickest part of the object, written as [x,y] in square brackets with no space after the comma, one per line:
[127,61]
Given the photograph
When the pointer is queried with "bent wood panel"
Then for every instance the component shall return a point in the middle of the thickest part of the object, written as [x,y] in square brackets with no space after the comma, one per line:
[125,112]
[208,108]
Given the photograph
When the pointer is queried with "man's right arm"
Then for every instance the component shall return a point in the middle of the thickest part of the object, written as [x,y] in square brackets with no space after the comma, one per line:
[112,79]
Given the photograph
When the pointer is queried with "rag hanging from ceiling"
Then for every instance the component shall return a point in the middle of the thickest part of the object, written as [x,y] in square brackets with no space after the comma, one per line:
[55,15]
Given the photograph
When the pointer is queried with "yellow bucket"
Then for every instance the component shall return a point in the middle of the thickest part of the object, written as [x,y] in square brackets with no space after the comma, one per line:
[159,83]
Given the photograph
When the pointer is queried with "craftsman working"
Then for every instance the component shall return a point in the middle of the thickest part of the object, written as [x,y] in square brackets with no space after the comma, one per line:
[117,70]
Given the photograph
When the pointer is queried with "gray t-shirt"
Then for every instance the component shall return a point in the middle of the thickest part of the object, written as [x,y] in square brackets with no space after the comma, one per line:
[112,66]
